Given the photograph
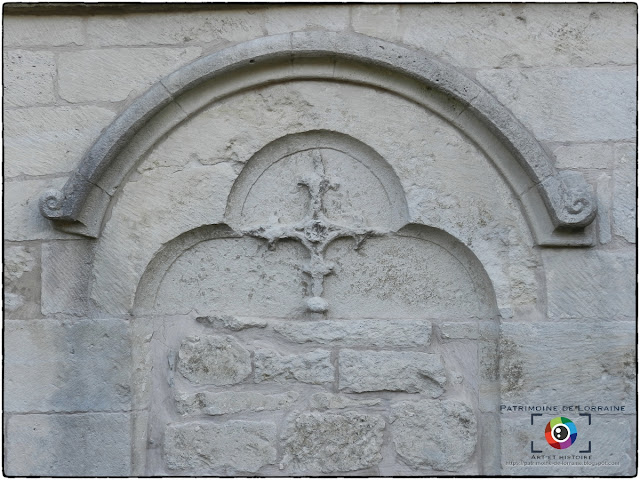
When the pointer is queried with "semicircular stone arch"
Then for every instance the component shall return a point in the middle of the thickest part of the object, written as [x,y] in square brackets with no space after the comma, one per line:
[317,205]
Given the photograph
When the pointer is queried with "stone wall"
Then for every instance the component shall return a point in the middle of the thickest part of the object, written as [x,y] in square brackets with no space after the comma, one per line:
[200,327]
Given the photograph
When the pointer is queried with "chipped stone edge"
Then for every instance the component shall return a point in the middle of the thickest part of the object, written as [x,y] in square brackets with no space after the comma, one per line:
[568,200]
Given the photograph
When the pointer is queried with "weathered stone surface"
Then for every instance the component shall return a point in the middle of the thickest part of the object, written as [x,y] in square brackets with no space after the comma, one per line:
[323,442]
[527,35]
[377,333]
[21,276]
[78,445]
[28,78]
[179,28]
[604,208]
[568,363]
[209,403]
[32,31]
[70,366]
[312,367]
[590,284]
[612,438]
[80,82]
[48,140]
[568,105]
[369,371]
[233,323]
[439,434]
[66,276]
[624,192]
[380,21]
[583,155]
[213,360]
[459,330]
[282,19]
[330,400]
[208,448]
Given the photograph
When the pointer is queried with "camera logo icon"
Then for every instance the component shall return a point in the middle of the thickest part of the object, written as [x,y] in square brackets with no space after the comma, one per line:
[561,432]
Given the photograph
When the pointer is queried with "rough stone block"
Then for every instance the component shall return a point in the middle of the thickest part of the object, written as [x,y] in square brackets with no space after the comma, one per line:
[438,434]
[380,21]
[624,192]
[459,330]
[234,323]
[80,81]
[323,442]
[283,19]
[527,35]
[369,371]
[28,78]
[213,360]
[66,276]
[583,155]
[78,445]
[330,400]
[568,104]
[21,276]
[612,438]
[67,366]
[312,367]
[209,403]
[561,363]
[179,28]
[49,31]
[49,140]
[207,448]
[590,284]
[377,333]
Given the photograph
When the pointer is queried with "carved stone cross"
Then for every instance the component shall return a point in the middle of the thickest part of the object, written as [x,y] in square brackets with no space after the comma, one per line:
[315,231]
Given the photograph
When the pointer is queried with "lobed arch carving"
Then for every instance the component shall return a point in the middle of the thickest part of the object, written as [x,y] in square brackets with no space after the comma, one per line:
[559,206]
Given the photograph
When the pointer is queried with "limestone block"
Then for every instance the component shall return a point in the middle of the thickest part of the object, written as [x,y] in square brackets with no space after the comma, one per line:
[313,367]
[380,21]
[213,360]
[612,438]
[67,366]
[209,403]
[323,442]
[603,216]
[330,400]
[206,448]
[28,78]
[502,36]
[568,363]
[50,31]
[178,28]
[583,155]
[21,275]
[438,434]
[568,104]
[80,81]
[412,372]
[590,284]
[49,140]
[377,333]
[66,275]
[624,192]
[458,330]
[77,445]
[282,19]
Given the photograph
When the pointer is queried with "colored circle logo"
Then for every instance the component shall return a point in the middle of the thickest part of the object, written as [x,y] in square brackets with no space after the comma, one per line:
[561,432]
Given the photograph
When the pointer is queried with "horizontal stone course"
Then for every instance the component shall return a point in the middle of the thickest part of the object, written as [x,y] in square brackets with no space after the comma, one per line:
[313,367]
[67,366]
[372,332]
[209,403]
[79,445]
[21,276]
[28,78]
[48,30]
[370,371]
